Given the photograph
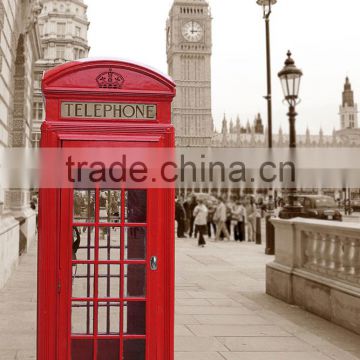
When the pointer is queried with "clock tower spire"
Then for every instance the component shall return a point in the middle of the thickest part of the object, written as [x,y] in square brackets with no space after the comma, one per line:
[189,49]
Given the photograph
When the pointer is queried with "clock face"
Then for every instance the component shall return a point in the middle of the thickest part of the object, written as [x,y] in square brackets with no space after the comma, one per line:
[192,31]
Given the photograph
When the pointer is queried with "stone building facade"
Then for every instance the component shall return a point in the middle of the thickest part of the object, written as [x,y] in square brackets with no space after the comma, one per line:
[35,35]
[20,48]
[63,27]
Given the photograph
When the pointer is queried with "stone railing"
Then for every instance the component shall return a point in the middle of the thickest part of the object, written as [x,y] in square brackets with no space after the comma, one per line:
[332,254]
[317,266]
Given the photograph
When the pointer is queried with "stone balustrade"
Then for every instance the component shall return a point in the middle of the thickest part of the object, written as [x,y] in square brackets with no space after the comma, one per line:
[317,266]
[332,254]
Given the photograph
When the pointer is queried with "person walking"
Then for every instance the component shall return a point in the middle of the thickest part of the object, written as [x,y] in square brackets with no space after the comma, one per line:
[200,221]
[180,217]
[251,213]
[239,218]
[220,219]
[229,208]
[210,219]
[192,206]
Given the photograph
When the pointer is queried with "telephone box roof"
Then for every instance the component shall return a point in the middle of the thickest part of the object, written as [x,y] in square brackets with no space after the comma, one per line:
[107,75]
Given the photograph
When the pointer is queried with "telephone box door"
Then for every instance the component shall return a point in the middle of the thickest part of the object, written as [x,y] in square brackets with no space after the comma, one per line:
[110,273]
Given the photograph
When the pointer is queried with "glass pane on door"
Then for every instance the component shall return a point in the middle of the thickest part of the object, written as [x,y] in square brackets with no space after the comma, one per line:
[109,257]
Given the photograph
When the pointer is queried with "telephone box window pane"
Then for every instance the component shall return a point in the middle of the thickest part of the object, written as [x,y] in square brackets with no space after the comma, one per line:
[83,243]
[135,281]
[82,318]
[134,322]
[110,206]
[109,243]
[135,206]
[109,318]
[108,349]
[83,280]
[109,281]
[84,206]
[82,349]
[134,349]
[135,243]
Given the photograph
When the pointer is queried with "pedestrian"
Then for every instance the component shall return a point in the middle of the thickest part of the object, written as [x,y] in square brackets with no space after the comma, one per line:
[229,207]
[239,218]
[210,219]
[180,217]
[192,206]
[200,221]
[220,219]
[186,205]
[251,213]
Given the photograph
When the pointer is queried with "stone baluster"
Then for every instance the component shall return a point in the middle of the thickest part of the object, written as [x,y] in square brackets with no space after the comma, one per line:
[338,255]
[347,259]
[309,250]
[327,253]
[321,252]
[318,242]
[356,259]
[333,251]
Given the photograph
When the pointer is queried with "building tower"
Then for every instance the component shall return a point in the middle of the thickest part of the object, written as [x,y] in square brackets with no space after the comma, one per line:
[189,49]
[63,27]
[258,125]
[348,110]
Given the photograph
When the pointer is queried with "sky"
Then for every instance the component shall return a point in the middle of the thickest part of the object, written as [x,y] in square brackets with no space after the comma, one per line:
[323,36]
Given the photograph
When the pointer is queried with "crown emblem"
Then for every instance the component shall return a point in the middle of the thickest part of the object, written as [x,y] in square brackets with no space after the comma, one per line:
[110,80]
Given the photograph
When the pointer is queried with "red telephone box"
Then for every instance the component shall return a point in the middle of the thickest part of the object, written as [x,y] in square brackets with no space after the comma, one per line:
[106,255]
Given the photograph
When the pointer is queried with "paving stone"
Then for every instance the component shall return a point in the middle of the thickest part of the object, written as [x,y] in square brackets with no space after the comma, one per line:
[198,356]
[182,330]
[190,302]
[185,319]
[230,320]
[212,310]
[198,344]
[275,356]
[268,344]
[223,302]
[237,330]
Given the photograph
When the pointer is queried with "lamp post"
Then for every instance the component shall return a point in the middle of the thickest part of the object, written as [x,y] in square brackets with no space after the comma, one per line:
[290,77]
[267,6]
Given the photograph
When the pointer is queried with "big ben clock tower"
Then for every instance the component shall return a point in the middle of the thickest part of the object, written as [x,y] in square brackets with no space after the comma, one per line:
[189,64]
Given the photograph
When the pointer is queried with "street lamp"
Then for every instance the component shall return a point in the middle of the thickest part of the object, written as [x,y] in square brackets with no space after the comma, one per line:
[290,77]
[267,5]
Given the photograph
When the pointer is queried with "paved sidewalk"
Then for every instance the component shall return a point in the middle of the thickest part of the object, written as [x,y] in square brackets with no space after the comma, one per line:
[222,311]
[18,311]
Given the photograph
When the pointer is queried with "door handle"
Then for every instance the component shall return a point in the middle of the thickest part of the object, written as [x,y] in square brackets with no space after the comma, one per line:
[154,263]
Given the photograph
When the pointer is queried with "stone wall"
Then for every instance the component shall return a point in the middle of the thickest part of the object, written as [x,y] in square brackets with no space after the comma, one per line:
[317,267]
[19,49]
